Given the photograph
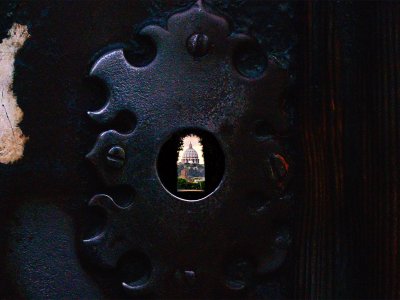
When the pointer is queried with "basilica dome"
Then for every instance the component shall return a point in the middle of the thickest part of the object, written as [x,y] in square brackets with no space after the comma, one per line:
[190,156]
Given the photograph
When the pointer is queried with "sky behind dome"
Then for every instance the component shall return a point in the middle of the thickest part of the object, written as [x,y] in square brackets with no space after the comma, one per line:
[196,146]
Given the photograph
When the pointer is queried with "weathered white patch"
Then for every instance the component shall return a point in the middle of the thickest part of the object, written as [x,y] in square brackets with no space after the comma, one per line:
[12,140]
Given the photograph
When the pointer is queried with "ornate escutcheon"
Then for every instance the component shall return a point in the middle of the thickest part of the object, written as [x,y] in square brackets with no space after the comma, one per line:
[206,80]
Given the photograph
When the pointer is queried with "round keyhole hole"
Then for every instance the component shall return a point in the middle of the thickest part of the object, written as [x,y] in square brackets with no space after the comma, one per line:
[191,164]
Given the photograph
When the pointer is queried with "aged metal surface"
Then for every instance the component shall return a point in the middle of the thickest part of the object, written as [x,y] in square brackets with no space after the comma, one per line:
[203,78]
[44,197]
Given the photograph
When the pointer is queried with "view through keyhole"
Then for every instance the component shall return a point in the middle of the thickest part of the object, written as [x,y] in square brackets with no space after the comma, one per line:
[191,164]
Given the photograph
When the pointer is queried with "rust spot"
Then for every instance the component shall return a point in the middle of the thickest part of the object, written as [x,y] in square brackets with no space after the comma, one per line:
[280,168]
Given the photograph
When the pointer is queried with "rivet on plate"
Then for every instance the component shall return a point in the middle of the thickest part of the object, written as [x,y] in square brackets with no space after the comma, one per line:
[198,44]
[116,157]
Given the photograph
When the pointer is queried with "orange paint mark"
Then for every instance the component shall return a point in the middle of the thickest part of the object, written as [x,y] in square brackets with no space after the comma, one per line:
[283,161]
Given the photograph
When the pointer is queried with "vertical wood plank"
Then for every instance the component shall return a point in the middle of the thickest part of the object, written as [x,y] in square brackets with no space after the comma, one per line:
[322,135]
[380,152]
[348,235]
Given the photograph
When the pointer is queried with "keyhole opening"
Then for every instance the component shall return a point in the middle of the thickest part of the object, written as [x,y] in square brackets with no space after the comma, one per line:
[191,164]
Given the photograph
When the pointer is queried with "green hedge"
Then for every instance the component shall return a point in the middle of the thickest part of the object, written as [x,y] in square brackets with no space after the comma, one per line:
[183,184]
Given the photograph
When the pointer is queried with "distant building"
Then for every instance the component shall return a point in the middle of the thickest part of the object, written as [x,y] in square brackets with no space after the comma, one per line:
[190,156]
[189,168]
[184,174]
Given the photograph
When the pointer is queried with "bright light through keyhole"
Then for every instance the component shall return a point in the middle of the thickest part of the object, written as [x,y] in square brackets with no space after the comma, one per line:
[191,165]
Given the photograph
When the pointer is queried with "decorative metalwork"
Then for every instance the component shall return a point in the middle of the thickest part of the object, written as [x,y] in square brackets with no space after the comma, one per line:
[196,80]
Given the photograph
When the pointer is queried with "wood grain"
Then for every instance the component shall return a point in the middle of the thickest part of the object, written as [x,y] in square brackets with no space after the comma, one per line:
[321,130]
[348,235]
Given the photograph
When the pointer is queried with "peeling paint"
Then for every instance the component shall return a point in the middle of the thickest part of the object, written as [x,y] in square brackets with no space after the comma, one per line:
[12,140]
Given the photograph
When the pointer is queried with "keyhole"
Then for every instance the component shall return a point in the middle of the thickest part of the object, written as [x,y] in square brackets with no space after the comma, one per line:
[191,164]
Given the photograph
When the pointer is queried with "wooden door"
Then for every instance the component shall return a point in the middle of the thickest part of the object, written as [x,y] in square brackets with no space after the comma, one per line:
[296,104]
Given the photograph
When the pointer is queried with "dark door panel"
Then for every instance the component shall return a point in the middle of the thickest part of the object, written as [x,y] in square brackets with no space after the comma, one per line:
[295,105]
